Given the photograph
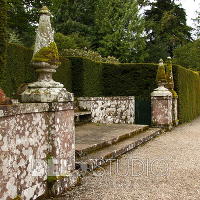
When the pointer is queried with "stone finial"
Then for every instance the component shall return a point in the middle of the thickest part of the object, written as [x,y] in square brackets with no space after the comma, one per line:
[169,77]
[45,10]
[169,60]
[44,32]
[169,74]
[161,76]
[45,61]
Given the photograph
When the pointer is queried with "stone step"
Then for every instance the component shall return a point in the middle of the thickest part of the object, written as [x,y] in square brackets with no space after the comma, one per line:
[92,137]
[105,155]
[82,117]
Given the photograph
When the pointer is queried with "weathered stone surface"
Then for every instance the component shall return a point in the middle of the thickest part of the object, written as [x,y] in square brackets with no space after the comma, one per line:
[45,60]
[35,139]
[109,110]
[45,95]
[45,33]
[161,102]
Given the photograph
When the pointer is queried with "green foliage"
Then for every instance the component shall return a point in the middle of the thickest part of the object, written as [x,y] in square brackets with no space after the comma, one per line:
[187,85]
[19,68]
[72,41]
[104,79]
[14,38]
[165,25]
[188,55]
[23,17]
[85,77]
[92,55]
[74,16]
[197,24]
[47,54]
[64,74]
[3,44]
[113,30]
[119,30]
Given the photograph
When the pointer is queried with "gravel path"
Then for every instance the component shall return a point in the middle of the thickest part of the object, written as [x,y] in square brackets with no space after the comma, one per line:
[166,168]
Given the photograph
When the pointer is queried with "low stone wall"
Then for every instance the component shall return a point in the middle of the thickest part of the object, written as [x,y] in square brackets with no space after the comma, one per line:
[109,109]
[36,149]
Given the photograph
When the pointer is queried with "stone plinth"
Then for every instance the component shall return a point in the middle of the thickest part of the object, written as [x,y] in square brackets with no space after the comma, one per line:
[37,149]
[161,102]
[46,95]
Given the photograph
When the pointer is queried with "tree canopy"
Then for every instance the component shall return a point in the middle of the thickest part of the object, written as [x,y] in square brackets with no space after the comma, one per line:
[166,28]
[110,27]
[113,30]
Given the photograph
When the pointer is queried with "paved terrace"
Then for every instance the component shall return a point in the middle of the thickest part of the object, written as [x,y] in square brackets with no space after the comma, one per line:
[167,168]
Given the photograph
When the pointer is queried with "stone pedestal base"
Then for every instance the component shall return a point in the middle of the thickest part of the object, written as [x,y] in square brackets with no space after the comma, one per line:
[161,102]
[46,95]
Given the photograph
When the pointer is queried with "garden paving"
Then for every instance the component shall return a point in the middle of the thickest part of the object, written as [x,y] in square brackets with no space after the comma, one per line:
[166,168]
[92,134]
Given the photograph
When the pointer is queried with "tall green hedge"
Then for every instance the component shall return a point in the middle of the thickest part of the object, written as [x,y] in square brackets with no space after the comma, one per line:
[3,44]
[84,77]
[18,66]
[104,79]
[187,85]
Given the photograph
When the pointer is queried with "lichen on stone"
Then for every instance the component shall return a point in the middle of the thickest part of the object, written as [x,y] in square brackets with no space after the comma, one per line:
[47,54]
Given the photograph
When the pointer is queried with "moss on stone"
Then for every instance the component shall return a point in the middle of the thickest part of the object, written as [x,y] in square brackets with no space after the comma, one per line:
[47,54]
[161,76]
[3,45]
[174,94]
[17,198]
[51,179]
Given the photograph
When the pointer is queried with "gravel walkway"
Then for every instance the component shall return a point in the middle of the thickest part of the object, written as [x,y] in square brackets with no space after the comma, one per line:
[167,167]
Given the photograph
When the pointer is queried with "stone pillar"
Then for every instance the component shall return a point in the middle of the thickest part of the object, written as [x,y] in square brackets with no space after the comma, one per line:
[61,131]
[161,102]
[61,157]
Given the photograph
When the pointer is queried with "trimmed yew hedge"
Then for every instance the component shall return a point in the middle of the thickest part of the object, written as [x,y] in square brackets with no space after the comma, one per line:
[187,85]
[3,44]
[84,77]
[103,79]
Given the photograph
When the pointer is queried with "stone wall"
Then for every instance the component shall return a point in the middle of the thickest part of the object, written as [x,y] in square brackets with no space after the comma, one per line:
[36,144]
[109,109]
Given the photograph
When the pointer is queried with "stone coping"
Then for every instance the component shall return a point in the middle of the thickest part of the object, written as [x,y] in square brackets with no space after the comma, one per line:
[27,108]
[105,98]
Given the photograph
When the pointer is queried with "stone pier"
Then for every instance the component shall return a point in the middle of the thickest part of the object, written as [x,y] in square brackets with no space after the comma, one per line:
[37,145]
[161,101]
